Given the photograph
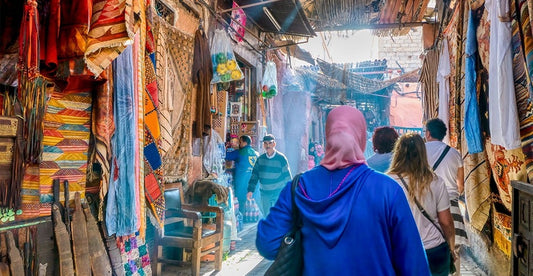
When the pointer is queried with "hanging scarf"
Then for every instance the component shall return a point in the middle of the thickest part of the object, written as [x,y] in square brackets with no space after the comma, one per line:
[28,63]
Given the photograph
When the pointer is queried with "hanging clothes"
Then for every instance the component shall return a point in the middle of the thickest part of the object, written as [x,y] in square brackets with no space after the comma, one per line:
[443,79]
[202,72]
[503,115]
[471,121]
[121,217]
[430,91]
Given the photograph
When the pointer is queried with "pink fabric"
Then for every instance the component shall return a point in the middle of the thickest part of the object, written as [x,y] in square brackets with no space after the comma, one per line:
[345,138]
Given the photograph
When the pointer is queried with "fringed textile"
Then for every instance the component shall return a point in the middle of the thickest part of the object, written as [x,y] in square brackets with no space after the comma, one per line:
[179,51]
[153,182]
[32,94]
[135,255]
[121,215]
[67,124]
[113,25]
[28,64]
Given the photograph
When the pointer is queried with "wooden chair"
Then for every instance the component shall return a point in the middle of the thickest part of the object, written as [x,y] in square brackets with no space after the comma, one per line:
[183,229]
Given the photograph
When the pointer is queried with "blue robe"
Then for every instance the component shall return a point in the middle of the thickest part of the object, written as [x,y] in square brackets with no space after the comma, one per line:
[364,228]
[244,163]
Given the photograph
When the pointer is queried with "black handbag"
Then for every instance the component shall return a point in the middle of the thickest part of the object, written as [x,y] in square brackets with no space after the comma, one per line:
[289,261]
[453,269]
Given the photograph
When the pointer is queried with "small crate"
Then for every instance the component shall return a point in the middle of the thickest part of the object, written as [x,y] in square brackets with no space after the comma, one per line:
[8,126]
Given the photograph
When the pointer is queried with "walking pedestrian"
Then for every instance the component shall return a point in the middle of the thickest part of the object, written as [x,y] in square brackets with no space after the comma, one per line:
[383,142]
[272,171]
[428,200]
[450,169]
[356,221]
[245,159]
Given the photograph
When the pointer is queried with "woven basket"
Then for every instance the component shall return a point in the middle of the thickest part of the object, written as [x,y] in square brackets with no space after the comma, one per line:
[6,151]
[8,126]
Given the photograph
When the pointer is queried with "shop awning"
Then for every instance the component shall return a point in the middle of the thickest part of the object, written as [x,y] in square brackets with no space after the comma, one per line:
[278,16]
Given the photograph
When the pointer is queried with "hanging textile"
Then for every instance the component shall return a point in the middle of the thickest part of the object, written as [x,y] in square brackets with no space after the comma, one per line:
[67,124]
[202,72]
[152,134]
[113,25]
[238,21]
[506,165]
[443,78]
[471,118]
[75,21]
[135,255]
[428,76]
[103,128]
[121,216]
[28,64]
[523,47]
[503,115]
[49,33]
[176,67]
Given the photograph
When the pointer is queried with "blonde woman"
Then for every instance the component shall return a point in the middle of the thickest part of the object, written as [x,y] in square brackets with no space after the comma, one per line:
[424,190]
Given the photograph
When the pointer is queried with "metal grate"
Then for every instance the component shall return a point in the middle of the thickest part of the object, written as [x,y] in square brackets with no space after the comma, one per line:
[165,12]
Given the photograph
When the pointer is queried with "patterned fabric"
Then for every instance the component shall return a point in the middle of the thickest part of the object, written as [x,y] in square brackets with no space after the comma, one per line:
[179,63]
[502,231]
[67,125]
[238,22]
[135,256]
[460,233]
[152,170]
[103,129]
[522,83]
[506,165]
[483,33]
[28,63]
[523,87]
[113,25]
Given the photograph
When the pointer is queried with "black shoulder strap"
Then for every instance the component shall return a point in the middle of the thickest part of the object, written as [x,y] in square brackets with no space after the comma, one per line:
[295,212]
[441,157]
[422,210]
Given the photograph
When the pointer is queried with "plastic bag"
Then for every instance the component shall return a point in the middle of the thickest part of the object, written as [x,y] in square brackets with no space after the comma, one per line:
[225,67]
[269,88]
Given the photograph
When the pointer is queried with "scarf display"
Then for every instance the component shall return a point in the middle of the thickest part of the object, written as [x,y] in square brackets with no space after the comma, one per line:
[121,208]
[471,118]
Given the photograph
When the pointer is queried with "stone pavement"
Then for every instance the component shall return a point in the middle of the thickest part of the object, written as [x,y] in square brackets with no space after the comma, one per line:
[245,260]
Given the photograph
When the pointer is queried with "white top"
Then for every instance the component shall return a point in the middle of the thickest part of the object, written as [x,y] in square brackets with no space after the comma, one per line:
[503,110]
[447,170]
[443,74]
[434,200]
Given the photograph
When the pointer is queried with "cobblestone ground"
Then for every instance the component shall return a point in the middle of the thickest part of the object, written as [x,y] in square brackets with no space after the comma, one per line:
[245,260]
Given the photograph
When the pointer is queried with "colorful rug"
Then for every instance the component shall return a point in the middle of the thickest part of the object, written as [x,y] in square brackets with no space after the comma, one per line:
[67,125]
[506,165]
[179,62]
[135,256]
[502,231]
[153,184]
[113,25]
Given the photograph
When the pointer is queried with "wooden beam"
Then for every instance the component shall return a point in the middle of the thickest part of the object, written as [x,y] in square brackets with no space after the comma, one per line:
[248,6]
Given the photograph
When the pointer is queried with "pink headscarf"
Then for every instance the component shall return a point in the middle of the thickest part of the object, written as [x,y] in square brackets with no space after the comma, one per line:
[345,138]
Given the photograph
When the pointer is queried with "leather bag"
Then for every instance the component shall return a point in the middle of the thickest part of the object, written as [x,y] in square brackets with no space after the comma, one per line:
[289,261]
